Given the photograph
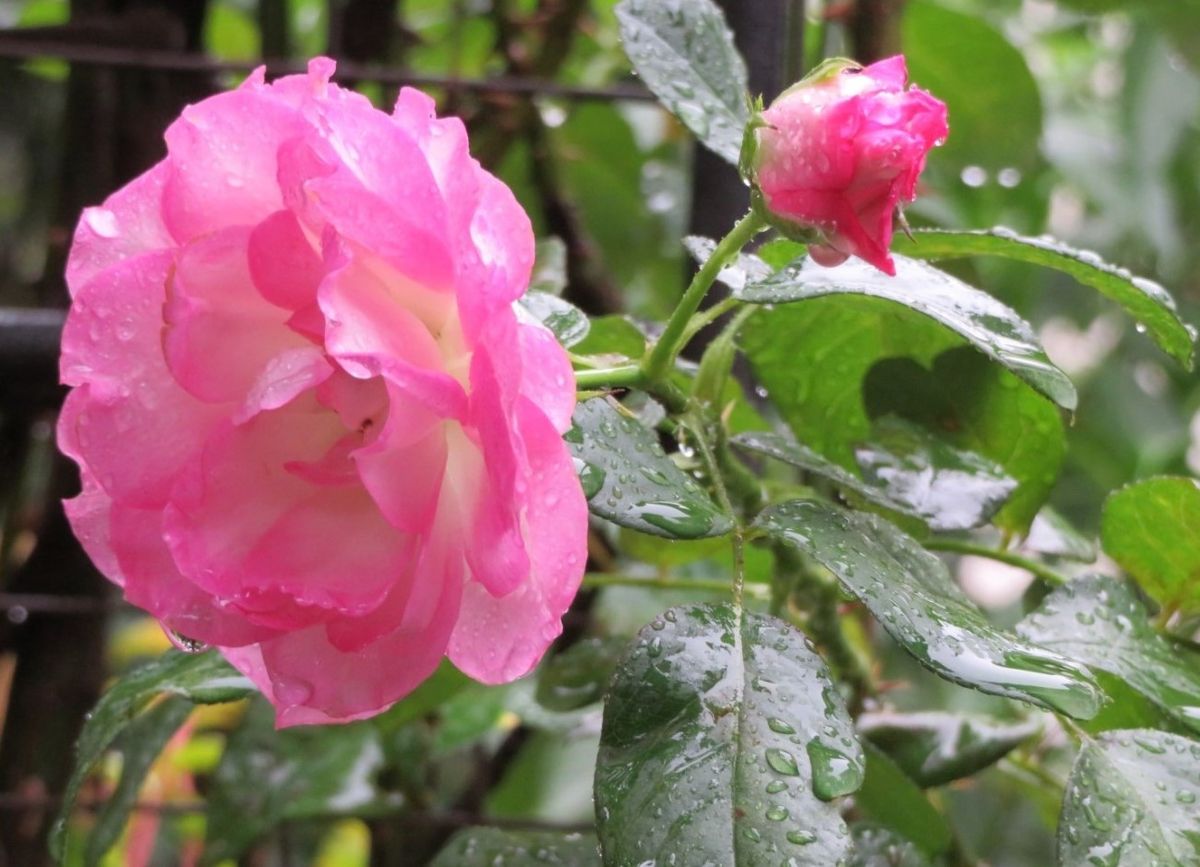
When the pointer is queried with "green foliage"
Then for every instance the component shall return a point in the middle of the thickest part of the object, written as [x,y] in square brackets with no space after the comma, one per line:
[685,54]
[491,847]
[1150,529]
[1132,795]
[935,748]
[909,590]
[724,742]
[203,678]
[1100,622]
[631,481]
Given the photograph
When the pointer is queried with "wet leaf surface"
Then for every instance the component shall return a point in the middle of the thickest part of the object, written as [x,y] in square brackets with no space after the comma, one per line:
[630,481]
[876,846]
[578,676]
[494,847]
[684,52]
[201,678]
[990,326]
[911,593]
[569,324]
[906,470]
[1146,301]
[1132,801]
[724,742]
[935,747]
[1099,621]
[1053,535]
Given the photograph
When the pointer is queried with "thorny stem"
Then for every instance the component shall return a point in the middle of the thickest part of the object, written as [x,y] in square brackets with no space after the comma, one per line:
[713,468]
[1040,570]
[659,357]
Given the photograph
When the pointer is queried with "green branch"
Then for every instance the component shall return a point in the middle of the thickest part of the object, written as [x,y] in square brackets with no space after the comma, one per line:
[661,355]
[958,546]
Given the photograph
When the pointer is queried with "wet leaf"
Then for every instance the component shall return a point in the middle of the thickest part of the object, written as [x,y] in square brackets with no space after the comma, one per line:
[905,470]
[995,107]
[975,406]
[1131,801]
[204,678]
[892,799]
[578,676]
[569,324]
[494,847]
[1053,535]
[142,741]
[633,483]
[990,326]
[911,593]
[684,52]
[934,747]
[267,776]
[876,846]
[1146,301]
[549,266]
[1099,621]
[1152,528]
[615,336]
[832,365]
[724,742]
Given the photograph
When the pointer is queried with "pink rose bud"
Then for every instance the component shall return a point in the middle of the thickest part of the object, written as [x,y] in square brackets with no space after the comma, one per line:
[311,428]
[834,155]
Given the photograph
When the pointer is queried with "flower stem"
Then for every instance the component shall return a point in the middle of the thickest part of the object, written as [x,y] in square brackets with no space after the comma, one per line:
[659,357]
[1040,570]
[628,376]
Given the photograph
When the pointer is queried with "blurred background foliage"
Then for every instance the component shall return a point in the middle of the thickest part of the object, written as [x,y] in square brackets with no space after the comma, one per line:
[1080,118]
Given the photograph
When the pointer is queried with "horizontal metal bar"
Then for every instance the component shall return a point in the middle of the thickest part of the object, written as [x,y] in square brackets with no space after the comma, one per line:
[13,45]
[29,336]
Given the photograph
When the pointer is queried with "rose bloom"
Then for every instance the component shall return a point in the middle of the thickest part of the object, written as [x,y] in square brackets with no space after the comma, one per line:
[838,151]
[311,428]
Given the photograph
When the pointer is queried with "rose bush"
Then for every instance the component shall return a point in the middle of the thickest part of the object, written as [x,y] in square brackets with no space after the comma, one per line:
[838,151]
[311,429]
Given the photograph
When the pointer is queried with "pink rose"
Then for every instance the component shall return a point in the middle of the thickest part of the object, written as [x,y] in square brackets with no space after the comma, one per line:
[311,428]
[837,152]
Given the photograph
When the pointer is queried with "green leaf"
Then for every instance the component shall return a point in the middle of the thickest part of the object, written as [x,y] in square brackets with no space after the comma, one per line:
[549,266]
[634,483]
[995,107]
[895,801]
[613,336]
[948,488]
[685,54]
[976,406]
[577,676]
[990,326]
[268,776]
[204,678]
[1099,621]
[1053,535]
[433,692]
[724,742]
[906,471]
[143,740]
[876,846]
[1131,801]
[911,593]
[934,748]
[1146,301]
[1152,528]
[569,324]
[494,847]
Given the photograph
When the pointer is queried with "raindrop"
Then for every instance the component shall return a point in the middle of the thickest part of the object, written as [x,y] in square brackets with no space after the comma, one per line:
[801,838]
[183,643]
[782,762]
